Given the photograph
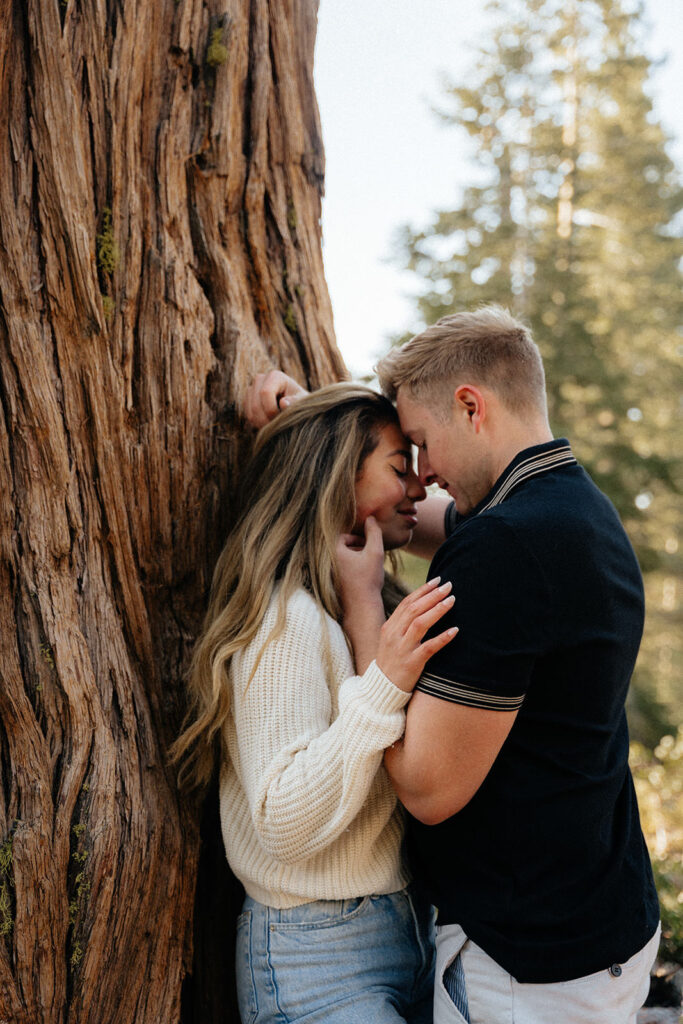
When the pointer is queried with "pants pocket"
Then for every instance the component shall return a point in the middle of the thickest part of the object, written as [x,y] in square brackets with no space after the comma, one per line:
[320,914]
[453,979]
[347,960]
[450,992]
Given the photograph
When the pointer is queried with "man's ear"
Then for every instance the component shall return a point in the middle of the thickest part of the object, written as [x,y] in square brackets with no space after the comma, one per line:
[468,401]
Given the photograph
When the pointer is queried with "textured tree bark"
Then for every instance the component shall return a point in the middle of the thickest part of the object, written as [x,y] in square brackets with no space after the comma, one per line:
[161,169]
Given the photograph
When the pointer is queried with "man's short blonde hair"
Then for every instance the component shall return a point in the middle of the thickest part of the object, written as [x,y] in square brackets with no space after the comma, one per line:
[487,347]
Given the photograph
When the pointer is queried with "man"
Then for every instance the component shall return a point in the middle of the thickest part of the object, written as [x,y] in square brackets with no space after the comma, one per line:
[523,819]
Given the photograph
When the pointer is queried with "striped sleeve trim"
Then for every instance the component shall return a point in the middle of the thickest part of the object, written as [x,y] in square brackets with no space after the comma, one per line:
[456,693]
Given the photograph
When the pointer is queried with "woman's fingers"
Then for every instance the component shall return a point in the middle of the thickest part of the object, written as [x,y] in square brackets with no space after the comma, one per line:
[424,620]
[402,653]
[422,600]
[260,401]
[268,394]
[426,588]
[360,563]
[430,647]
[349,541]
[374,541]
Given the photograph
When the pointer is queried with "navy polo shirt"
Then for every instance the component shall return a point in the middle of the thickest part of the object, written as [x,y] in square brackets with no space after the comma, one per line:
[546,867]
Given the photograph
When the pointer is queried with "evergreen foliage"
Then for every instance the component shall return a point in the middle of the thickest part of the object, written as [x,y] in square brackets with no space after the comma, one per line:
[571,223]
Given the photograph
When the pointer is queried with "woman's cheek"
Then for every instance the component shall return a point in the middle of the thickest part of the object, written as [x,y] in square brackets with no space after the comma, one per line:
[383,506]
[362,513]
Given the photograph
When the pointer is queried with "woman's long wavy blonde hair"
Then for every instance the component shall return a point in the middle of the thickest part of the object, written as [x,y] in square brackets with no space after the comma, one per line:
[297,495]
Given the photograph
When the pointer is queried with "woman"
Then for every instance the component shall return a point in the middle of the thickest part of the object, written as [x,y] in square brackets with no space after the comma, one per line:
[329,930]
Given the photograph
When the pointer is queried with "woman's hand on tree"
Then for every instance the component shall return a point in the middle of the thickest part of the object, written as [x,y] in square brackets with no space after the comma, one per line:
[268,394]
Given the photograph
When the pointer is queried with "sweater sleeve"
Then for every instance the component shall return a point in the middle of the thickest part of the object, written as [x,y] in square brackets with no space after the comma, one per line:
[305,775]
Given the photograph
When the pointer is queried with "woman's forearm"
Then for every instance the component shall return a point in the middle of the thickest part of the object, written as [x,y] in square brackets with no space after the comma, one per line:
[311,790]
[307,774]
[362,624]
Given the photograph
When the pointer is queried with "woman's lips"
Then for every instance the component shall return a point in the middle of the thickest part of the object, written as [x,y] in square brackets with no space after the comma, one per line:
[410,516]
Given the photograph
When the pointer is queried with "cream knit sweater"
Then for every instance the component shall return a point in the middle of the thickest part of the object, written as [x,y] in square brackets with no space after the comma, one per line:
[307,810]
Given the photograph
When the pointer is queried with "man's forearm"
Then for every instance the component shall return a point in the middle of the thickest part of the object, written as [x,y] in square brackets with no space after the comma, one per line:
[444,756]
[414,785]
[409,784]
[430,532]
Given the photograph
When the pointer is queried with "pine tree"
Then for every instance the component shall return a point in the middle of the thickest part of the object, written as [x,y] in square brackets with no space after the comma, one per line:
[570,222]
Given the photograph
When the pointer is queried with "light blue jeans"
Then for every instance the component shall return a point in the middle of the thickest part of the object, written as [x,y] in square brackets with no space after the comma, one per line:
[360,961]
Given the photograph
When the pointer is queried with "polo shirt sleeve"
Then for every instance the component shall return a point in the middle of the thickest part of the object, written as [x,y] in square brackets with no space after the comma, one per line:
[503,608]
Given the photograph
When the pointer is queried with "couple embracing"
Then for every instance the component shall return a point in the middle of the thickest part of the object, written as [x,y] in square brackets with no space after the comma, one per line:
[427,797]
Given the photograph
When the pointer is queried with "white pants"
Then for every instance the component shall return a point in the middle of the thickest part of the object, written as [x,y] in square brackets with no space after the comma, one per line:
[494,997]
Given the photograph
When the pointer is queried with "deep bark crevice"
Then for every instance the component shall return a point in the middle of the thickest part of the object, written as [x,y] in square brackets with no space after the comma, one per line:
[121,439]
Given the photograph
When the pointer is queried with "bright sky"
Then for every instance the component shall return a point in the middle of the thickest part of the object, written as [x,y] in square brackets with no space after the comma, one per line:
[378,69]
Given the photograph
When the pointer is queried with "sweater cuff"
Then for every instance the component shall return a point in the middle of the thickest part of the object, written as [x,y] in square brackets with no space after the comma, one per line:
[379,690]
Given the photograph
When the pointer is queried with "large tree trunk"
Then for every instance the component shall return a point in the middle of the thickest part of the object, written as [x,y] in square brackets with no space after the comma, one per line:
[160,177]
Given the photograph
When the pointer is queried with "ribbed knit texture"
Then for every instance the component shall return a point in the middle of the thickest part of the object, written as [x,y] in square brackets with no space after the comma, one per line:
[307,810]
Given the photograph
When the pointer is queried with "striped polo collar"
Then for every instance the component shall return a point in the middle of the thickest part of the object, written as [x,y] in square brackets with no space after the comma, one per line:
[542,458]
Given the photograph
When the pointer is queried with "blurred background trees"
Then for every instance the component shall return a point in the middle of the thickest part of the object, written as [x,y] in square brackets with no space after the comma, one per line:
[571,223]
[570,220]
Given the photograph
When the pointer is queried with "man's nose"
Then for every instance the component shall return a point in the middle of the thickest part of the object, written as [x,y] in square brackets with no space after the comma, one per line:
[426,474]
[415,489]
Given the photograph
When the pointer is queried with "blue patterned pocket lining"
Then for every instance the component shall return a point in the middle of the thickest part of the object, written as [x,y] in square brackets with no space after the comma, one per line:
[454,983]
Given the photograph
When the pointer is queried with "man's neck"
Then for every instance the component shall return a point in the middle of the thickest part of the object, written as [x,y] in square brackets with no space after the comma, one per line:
[514,438]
